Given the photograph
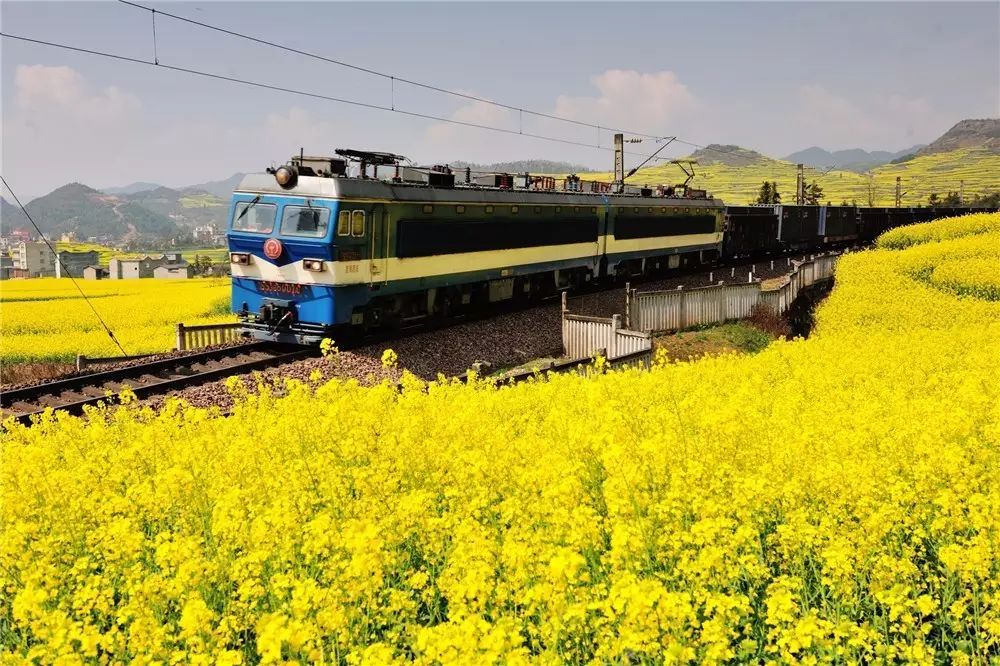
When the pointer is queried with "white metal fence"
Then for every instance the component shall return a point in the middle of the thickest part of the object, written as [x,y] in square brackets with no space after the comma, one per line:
[195,337]
[680,309]
[584,337]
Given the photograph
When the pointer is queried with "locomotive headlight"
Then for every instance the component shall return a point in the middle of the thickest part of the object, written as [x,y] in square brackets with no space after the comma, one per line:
[315,265]
[239,258]
[286,176]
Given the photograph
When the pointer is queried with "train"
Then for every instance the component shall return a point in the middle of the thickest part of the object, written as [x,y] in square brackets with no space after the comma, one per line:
[316,252]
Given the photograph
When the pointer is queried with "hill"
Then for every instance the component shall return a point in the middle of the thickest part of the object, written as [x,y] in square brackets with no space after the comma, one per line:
[976,171]
[189,207]
[12,217]
[981,133]
[730,155]
[965,159]
[854,159]
[131,188]
[87,212]
[221,189]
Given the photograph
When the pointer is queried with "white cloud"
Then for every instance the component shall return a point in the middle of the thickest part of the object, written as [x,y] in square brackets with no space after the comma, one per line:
[44,89]
[653,102]
[446,141]
[60,128]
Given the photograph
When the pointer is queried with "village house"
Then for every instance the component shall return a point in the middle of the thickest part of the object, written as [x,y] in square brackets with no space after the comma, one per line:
[131,268]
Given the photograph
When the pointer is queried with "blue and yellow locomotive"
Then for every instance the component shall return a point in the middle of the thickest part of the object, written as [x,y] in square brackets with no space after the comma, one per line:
[314,251]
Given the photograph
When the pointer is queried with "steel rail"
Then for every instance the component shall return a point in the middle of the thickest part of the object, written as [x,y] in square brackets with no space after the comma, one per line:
[183,366]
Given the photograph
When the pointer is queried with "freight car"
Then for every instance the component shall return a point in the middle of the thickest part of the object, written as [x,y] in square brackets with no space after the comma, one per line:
[315,252]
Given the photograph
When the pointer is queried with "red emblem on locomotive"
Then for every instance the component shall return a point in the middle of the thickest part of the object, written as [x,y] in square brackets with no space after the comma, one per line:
[272,248]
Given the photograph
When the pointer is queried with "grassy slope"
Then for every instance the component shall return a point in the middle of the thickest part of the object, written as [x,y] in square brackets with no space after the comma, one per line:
[731,337]
[940,172]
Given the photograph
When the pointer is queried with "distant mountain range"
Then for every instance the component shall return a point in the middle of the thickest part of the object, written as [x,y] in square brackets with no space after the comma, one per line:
[978,133]
[854,159]
[131,188]
[148,210]
[217,188]
[222,189]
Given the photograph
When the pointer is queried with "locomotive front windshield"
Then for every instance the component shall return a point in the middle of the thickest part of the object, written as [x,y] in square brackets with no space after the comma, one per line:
[305,221]
[254,217]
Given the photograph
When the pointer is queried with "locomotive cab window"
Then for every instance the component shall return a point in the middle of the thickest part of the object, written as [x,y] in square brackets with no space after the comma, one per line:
[344,223]
[305,221]
[254,217]
[358,223]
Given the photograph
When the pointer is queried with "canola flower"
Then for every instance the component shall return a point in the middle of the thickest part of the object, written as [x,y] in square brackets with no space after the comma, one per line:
[46,319]
[832,500]
[945,229]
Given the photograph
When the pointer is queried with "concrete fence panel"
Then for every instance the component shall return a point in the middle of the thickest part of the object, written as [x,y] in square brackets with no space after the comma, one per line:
[196,337]
[584,337]
[680,309]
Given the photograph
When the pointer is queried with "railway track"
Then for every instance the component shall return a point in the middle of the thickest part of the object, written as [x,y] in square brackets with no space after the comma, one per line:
[145,379]
[165,375]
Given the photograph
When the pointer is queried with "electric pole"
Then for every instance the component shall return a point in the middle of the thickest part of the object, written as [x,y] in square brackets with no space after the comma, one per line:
[800,185]
[619,185]
[961,193]
[899,192]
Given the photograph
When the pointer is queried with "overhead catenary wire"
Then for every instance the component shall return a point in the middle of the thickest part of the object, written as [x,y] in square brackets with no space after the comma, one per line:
[426,86]
[329,98]
[24,210]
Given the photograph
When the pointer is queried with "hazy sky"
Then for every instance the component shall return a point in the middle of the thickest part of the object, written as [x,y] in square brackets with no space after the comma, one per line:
[769,76]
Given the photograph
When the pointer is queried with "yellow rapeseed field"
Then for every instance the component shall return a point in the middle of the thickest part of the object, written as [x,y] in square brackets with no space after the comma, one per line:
[829,500]
[46,319]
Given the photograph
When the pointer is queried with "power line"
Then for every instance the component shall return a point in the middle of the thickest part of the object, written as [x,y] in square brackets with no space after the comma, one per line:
[68,273]
[390,77]
[426,86]
[339,100]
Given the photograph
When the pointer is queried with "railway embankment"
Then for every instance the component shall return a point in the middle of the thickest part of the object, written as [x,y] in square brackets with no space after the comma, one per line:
[509,340]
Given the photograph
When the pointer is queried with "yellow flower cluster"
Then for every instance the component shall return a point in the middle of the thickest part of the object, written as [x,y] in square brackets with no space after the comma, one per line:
[47,319]
[977,276]
[835,499]
[947,229]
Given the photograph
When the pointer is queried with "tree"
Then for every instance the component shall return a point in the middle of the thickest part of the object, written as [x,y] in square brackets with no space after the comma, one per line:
[987,200]
[933,199]
[813,193]
[202,264]
[871,192]
[766,194]
[952,199]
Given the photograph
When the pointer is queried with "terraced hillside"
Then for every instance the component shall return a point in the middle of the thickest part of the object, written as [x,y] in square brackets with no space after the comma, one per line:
[978,167]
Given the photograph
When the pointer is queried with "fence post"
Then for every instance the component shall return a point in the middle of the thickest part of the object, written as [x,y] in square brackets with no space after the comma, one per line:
[628,308]
[81,362]
[564,306]
[616,323]
[180,337]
